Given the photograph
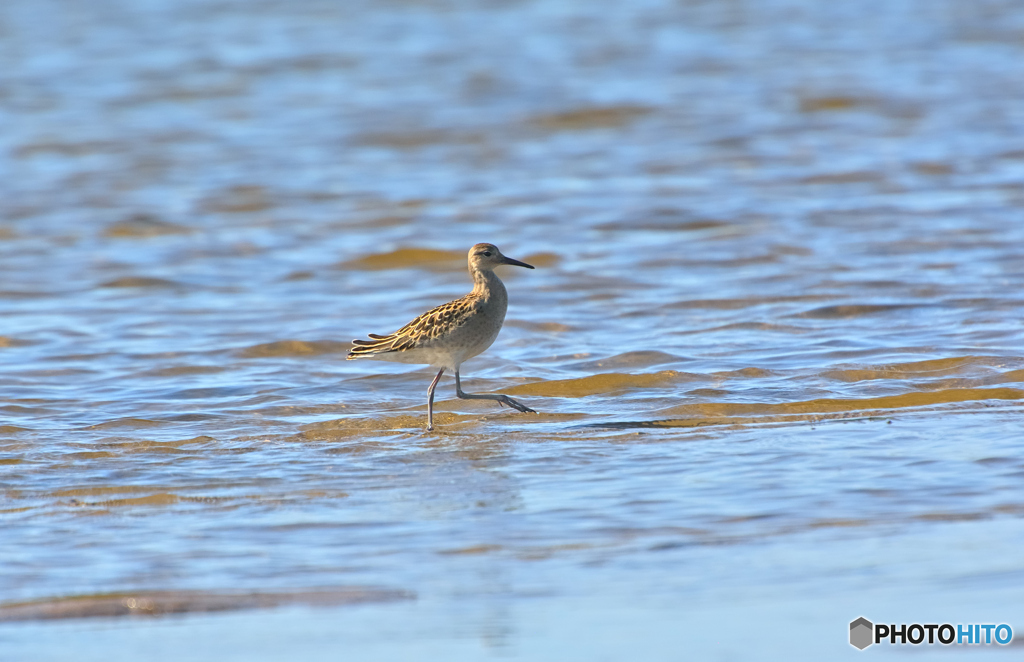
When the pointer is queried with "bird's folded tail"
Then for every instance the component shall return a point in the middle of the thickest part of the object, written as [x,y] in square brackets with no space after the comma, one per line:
[379,345]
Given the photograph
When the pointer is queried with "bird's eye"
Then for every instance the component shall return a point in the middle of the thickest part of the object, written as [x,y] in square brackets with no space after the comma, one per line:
[487,253]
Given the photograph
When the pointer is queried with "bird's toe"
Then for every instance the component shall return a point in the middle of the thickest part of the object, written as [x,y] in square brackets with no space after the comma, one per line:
[519,406]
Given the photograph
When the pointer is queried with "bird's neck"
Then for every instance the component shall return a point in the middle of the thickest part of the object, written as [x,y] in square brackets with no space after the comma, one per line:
[486,284]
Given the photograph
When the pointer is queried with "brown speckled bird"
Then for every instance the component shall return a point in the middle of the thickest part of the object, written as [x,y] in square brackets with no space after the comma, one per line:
[453,333]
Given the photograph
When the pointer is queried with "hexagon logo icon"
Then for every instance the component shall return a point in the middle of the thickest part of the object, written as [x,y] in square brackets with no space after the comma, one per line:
[860,633]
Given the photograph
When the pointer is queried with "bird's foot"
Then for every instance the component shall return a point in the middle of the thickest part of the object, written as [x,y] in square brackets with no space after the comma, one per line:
[505,400]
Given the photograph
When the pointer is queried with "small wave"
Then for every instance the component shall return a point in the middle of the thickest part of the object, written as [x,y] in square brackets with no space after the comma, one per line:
[72,149]
[917,369]
[852,177]
[747,413]
[143,226]
[208,393]
[830,405]
[665,221]
[542,260]
[100,491]
[408,258]
[26,294]
[853,310]
[830,103]
[242,199]
[344,428]
[158,603]
[416,139]
[472,550]
[178,371]
[126,423]
[601,117]
[542,327]
[142,282]
[605,383]
[747,326]
[294,348]
[736,304]
[637,359]
[161,499]
[745,373]
[7,341]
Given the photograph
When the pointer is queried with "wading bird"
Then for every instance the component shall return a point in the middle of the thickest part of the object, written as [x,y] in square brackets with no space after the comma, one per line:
[453,333]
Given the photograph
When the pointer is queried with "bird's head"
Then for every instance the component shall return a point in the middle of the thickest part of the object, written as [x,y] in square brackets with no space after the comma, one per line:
[485,257]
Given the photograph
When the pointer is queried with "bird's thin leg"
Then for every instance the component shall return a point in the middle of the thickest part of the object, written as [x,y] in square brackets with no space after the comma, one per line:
[430,400]
[500,399]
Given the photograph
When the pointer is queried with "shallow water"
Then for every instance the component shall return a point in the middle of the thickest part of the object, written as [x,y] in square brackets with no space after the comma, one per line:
[774,336]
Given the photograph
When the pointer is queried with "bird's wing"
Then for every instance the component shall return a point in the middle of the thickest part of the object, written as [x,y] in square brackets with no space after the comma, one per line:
[420,332]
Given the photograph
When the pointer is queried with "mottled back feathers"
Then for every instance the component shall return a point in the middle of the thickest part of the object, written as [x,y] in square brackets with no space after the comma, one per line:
[419,333]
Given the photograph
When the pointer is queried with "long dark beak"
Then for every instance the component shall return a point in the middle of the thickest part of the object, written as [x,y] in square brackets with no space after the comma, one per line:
[515,263]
